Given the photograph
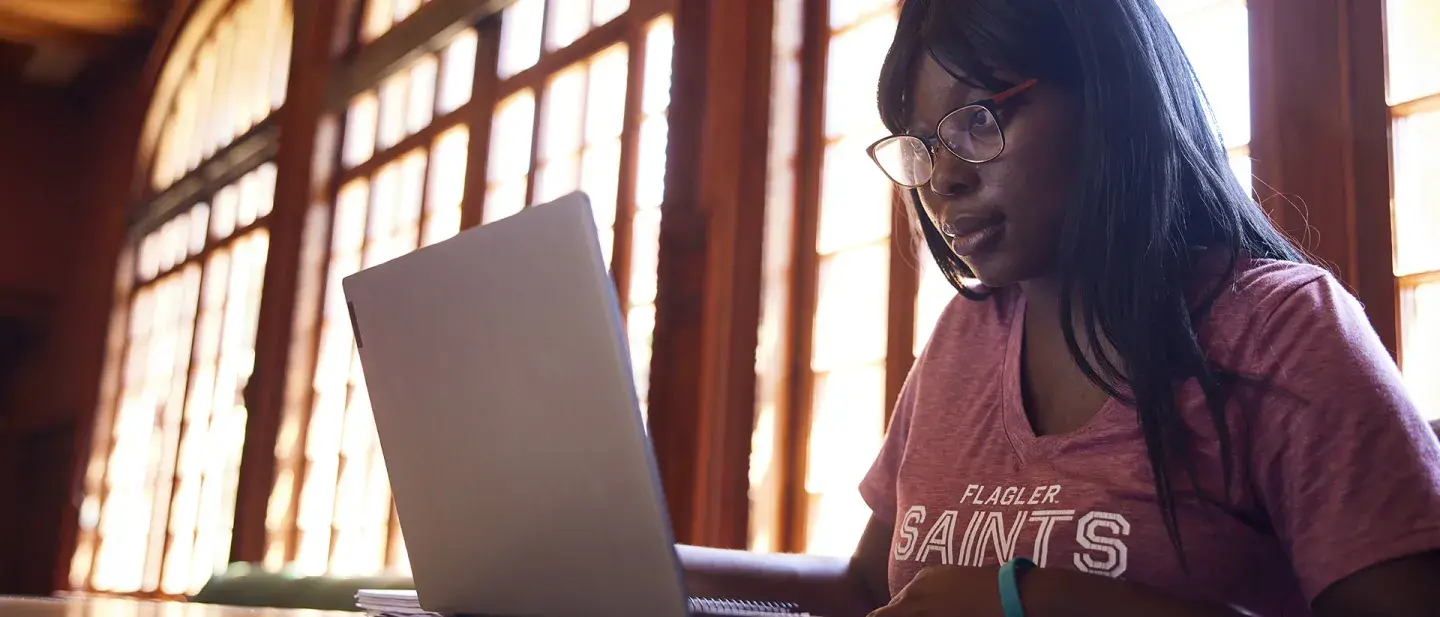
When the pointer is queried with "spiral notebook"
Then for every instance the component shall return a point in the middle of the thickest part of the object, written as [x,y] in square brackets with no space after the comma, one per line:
[405,603]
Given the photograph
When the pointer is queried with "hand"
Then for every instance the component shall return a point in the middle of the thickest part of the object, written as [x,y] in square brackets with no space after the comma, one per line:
[948,591]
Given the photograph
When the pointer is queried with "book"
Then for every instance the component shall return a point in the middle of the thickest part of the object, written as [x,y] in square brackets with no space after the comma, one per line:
[406,603]
[391,603]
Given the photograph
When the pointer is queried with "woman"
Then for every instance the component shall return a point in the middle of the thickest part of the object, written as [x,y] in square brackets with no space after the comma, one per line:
[1148,392]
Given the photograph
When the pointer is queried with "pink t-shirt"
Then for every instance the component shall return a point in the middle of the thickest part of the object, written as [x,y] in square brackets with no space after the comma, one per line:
[1343,471]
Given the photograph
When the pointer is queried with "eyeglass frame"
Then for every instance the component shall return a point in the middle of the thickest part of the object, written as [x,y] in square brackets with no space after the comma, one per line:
[990,104]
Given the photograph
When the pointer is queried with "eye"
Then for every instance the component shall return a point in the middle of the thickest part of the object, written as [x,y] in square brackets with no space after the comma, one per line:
[981,120]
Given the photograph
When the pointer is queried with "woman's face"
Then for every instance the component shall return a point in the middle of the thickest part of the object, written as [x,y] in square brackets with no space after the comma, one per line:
[1005,213]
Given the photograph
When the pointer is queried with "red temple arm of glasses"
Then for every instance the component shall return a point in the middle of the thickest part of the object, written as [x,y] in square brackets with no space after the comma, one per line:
[1021,87]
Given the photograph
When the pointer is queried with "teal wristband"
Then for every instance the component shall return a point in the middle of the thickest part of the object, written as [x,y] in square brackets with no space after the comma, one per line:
[1010,586]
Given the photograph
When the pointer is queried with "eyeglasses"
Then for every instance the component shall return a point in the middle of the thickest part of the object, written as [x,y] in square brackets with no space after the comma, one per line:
[971,133]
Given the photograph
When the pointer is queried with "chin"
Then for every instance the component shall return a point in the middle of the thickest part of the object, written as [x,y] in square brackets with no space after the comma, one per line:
[992,270]
[1001,269]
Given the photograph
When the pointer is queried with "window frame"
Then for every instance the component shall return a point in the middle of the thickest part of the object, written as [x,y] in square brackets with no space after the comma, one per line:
[361,65]
[243,154]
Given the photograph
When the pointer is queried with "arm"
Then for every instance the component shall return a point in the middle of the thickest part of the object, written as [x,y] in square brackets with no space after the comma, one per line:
[830,586]
[1407,587]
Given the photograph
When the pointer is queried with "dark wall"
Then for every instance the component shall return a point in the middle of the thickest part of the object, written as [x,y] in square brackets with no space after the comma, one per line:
[66,163]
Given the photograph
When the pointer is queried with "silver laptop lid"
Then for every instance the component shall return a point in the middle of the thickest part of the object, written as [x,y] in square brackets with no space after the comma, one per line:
[501,385]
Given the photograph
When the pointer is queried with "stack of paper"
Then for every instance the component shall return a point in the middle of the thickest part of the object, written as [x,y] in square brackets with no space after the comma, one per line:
[391,603]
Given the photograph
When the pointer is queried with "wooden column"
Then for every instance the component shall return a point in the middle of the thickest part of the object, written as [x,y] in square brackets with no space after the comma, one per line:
[702,371]
[1320,139]
[299,123]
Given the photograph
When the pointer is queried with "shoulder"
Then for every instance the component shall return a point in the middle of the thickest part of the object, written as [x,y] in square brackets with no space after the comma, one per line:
[1263,307]
[1258,287]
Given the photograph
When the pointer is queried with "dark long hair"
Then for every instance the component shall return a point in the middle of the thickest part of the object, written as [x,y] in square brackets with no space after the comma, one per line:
[1154,183]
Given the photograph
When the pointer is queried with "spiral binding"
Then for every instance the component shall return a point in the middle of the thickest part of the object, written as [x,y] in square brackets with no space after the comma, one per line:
[719,607]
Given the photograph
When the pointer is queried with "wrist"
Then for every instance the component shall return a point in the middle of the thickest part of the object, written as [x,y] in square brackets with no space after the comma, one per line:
[1039,588]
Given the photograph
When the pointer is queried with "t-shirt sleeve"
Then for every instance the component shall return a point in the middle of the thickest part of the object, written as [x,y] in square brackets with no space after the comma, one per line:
[1346,467]
[877,488]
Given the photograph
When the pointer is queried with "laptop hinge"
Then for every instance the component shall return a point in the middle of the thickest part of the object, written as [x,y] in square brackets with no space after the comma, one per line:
[355,325]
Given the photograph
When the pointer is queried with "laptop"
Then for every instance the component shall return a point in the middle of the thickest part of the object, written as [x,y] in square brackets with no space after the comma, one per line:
[500,379]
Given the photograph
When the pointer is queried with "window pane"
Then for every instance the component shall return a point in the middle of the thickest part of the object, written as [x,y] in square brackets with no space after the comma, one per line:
[856,199]
[845,434]
[510,136]
[659,59]
[502,200]
[1215,37]
[266,174]
[459,77]
[200,220]
[520,36]
[393,92]
[1417,193]
[854,69]
[606,10]
[644,256]
[844,13]
[563,114]
[447,185]
[935,294]
[851,308]
[605,102]
[360,126]
[1413,39]
[227,206]
[640,325]
[253,196]
[379,15]
[568,21]
[1241,164]
[600,179]
[420,108]
[405,8]
[650,185]
[557,179]
[1420,339]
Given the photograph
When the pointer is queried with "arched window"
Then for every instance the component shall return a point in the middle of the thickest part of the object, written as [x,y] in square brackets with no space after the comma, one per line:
[161,476]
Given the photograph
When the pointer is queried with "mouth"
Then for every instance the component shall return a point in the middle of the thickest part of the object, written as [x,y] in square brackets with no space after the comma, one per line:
[972,235]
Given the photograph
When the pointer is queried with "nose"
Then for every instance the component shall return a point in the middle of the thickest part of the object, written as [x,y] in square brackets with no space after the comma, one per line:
[953,176]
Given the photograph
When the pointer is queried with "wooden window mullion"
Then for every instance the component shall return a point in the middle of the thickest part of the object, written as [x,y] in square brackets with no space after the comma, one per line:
[805,273]
[479,113]
[265,392]
[621,258]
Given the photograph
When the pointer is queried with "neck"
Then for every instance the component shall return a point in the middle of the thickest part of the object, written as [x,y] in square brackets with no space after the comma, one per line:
[1042,317]
[1042,300]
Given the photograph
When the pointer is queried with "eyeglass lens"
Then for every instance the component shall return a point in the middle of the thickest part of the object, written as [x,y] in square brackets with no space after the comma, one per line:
[972,133]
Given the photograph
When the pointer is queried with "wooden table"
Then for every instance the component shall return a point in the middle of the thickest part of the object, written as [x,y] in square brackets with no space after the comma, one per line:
[116,607]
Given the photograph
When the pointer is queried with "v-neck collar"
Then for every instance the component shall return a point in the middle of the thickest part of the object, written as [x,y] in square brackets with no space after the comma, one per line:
[1029,446]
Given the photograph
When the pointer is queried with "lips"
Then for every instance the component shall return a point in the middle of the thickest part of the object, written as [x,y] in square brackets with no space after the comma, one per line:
[972,234]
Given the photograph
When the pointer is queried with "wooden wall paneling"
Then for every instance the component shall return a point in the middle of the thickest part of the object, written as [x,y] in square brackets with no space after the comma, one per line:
[1316,139]
[80,323]
[299,122]
[805,273]
[702,392]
